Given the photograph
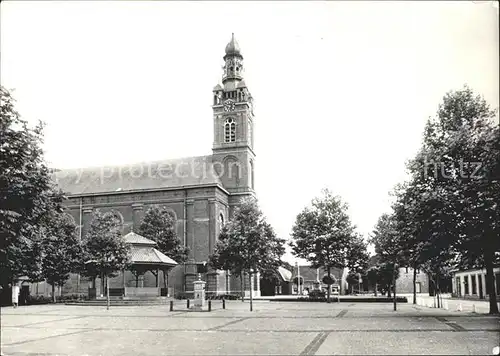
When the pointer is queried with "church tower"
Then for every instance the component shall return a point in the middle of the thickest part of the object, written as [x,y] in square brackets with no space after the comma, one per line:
[233,150]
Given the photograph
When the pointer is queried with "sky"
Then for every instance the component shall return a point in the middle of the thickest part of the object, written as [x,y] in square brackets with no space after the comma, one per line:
[342,90]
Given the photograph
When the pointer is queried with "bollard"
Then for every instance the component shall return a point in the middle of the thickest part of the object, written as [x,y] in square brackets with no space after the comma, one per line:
[223,303]
[459,307]
[171,305]
[209,305]
[188,303]
[473,308]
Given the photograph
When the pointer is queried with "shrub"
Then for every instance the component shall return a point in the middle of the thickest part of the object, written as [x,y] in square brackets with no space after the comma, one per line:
[72,297]
[317,294]
[38,299]
[41,299]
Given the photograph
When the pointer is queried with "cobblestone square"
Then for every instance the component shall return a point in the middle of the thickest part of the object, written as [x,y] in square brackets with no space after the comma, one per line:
[273,328]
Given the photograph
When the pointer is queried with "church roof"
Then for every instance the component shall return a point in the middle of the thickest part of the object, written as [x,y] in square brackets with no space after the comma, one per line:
[217,87]
[174,173]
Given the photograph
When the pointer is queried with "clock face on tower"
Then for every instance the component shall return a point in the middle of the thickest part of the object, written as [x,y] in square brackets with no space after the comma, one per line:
[229,105]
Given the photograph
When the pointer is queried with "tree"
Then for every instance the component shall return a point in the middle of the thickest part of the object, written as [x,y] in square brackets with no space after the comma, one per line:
[324,236]
[105,251]
[472,144]
[373,276]
[357,261]
[248,244]
[452,197]
[352,279]
[159,225]
[225,257]
[388,273]
[28,193]
[61,250]
[389,246]
[357,257]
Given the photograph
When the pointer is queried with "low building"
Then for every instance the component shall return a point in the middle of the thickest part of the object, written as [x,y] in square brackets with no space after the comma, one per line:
[472,283]
[279,284]
[311,276]
[404,283]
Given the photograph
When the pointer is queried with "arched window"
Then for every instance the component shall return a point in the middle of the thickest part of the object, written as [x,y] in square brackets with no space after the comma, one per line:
[229,130]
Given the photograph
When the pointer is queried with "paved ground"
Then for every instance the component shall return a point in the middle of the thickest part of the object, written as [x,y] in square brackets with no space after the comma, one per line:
[286,328]
[479,306]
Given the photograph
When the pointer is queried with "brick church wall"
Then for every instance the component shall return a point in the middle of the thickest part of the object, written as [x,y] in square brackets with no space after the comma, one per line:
[199,231]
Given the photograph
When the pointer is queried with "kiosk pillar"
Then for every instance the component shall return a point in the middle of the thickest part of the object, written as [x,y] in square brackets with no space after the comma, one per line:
[199,293]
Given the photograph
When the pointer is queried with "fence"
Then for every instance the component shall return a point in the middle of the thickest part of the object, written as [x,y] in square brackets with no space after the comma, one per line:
[471,306]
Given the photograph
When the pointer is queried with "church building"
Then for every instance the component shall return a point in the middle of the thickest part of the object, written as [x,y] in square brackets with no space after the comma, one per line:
[201,192]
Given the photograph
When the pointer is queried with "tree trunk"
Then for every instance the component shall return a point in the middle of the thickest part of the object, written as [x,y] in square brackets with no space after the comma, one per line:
[54,292]
[437,291]
[389,290]
[394,284]
[107,292]
[329,286]
[490,282]
[414,284]
[376,286]
[251,290]
[242,287]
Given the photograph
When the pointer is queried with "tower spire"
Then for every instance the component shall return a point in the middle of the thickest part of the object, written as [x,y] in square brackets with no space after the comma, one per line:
[233,68]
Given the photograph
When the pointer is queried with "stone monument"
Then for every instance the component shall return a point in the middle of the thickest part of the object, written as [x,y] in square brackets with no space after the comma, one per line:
[199,294]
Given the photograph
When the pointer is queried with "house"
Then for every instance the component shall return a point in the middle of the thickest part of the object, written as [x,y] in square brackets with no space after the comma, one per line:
[404,283]
[472,283]
[280,284]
